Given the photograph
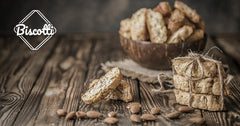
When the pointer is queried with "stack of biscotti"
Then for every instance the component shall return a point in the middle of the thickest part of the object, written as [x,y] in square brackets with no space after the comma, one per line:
[206,92]
[164,25]
[109,86]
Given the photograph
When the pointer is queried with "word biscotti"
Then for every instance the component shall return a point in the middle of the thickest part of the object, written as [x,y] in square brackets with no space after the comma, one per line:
[199,82]
[164,25]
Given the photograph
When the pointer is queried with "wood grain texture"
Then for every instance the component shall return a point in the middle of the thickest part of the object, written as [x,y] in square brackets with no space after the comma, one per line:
[56,87]
[18,75]
[33,85]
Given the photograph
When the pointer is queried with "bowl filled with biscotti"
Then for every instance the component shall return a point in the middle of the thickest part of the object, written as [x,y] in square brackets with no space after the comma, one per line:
[152,37]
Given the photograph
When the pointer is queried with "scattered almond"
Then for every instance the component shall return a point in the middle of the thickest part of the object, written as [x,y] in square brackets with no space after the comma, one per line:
[94,114]
[185,109]
[133,104]
[135,118]
[80,114]
[112,114]
[110,120]
[148,117]
[173,115]
[155,110]
[197,120]
[134,109]
[61,112]
[71,115]
[66,64]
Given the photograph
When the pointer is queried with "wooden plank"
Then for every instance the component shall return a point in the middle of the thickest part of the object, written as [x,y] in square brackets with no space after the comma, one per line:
[18,75]
[58,86]
[106,49]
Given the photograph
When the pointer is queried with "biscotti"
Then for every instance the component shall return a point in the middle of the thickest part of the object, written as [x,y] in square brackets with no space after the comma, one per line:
[181,34]
[190,13]
[138,25]
[123,92]
[125,28]
[201,101]
[103,86]
[200,82]
[156,27]
[163,8]
[197,35]
[203,86]
[209,68]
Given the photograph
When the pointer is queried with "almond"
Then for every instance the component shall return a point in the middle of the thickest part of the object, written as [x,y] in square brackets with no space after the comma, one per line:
[71,115]
[80,114]
[112,114]
[61,112]
[135,118]
[133,104]
[110,120]
[94,114]
[185,109]
[173,115]
[155,110]
[148,117]
[197,120]
[134,109]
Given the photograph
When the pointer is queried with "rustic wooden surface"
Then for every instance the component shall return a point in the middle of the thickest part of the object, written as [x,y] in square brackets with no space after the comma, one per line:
[34,84]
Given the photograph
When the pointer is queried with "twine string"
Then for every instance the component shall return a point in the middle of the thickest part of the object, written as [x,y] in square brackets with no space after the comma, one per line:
[195,60]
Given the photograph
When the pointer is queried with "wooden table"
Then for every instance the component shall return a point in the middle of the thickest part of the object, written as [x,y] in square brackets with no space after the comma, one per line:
[33,84]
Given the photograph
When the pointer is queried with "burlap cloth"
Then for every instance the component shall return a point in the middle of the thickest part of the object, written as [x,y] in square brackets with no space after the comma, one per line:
[131,69]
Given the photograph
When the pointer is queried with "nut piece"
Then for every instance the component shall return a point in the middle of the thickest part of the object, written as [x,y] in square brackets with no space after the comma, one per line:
[155,110]
[110,120]
[71,115]
[80,114]
[133,104]
[135,118]
[173,115]
[94,114]
[185,109]
[135,109]
[112,114]
[61,112]
[148,117]
[197,120]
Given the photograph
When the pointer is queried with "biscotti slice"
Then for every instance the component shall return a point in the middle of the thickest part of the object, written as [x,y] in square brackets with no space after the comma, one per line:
[190,13]
[176,20]
[123,92]
[163,8]
[201,101]
[103,86]
[203,86]
[197,35]
[181,34]
[156,27]
[125,28]
[138,25]
[209,68]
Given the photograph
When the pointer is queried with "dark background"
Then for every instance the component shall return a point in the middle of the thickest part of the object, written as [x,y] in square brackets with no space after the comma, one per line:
[221,16]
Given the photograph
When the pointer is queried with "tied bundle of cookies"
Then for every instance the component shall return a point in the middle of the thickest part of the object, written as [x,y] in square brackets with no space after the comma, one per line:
[109,87]
[164,25]
[200,82]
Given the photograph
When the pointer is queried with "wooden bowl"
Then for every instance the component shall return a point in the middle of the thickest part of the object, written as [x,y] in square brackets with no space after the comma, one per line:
[158,55]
